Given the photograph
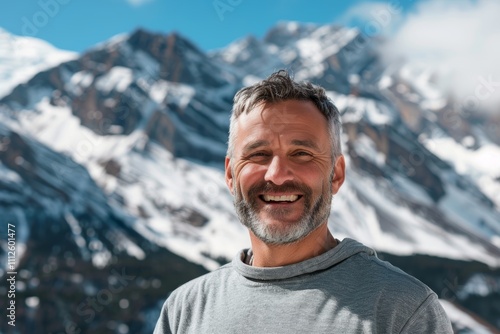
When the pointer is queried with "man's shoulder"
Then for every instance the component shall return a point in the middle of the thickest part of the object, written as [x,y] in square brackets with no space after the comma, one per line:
[400,300]
[382,275]
[201,285]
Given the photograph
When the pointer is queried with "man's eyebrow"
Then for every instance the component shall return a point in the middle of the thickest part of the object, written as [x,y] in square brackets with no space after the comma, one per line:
[255,144]
[306,143]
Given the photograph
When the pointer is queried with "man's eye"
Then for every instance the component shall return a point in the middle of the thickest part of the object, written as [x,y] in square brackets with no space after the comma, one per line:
[302,155]
[258,155]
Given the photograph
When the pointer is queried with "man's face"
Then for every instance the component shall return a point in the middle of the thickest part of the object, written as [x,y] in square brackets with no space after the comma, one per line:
[281,172]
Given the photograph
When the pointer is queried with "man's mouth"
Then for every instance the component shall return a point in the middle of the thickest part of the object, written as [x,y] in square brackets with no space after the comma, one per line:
[280,198]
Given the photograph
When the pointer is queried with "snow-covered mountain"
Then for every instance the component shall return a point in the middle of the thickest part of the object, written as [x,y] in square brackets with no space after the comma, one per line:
[23,57]
[111,162]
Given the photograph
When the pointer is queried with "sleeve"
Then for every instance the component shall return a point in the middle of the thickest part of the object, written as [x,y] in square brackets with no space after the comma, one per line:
[163,324]
[429,317]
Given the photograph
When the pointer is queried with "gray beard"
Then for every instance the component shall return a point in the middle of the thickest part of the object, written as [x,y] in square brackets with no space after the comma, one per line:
[314,215]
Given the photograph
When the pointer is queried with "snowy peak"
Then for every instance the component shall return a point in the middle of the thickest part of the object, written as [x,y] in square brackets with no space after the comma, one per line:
[180,60]
[161,85]
[289,32]
[23,57]
[240,51]
[328,54]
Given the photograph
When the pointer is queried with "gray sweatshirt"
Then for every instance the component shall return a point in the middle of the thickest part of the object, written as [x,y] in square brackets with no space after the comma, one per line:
[345,290]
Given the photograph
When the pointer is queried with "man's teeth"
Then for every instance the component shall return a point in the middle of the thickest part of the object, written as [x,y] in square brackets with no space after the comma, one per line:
[283,198]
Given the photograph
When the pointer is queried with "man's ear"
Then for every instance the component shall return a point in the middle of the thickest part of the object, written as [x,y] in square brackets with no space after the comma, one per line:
[339,174]
[228,174]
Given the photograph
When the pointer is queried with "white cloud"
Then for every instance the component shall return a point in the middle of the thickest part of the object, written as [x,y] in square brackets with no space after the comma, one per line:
[460,41]
[373,18]
[138,3]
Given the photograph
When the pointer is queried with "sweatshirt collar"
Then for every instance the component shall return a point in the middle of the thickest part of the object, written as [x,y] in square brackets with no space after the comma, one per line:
[345,249]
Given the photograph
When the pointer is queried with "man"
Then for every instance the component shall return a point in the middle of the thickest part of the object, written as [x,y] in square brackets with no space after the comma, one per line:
[283,165]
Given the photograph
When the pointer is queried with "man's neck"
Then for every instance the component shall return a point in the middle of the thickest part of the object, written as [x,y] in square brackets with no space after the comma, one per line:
[317,242]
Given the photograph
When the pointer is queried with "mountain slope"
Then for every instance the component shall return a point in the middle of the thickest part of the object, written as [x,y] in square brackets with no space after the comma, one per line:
[23,57]
[74,243]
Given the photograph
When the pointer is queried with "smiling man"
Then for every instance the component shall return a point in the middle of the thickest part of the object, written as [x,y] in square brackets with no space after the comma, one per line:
[282,170]
[284,163]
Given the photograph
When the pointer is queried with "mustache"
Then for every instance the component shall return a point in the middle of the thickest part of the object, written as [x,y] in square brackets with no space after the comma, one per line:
[269,187]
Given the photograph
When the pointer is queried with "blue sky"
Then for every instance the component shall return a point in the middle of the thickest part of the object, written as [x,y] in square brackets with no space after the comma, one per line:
[77,24]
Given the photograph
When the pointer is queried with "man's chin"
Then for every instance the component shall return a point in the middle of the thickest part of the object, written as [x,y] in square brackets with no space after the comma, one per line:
[279,234]
[280,222]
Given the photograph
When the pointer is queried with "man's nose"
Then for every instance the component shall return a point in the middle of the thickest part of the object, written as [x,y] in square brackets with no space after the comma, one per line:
[278,171]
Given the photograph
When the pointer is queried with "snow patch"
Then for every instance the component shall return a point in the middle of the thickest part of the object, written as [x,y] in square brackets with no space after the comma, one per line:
[118,78]
[23,57]
[462,320]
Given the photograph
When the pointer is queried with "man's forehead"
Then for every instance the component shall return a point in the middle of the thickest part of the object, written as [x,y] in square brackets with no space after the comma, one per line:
[289,111]
[284,106]
[251,143]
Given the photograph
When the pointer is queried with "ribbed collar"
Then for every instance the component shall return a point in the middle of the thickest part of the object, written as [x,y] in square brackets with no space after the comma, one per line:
[345,249]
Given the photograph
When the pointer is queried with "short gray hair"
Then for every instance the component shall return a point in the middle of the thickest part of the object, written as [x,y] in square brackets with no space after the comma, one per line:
[279,87]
